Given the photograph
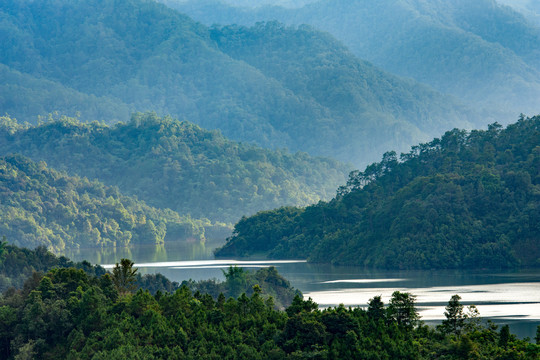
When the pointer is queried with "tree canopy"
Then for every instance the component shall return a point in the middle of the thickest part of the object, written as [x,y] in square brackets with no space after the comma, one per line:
[176,165]
[465,200]
[69,313]
[43,207]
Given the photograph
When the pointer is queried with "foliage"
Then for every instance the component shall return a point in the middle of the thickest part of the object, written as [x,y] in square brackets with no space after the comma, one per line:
[402,309]
[69,314]
[466,200]
[18,264]
[238,281]
[103,59]
[176,165]
[123,277]
[40,206]
[455,317]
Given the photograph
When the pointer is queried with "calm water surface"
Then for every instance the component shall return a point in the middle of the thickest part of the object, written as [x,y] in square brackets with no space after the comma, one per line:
[509,297]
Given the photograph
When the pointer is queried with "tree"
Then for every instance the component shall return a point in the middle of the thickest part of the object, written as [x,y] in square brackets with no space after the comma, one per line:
[3,244]
[455,318]
[123,277]
[236,280]
[472,319]
[504,336]
[403,310]
[376,308]
[299,305]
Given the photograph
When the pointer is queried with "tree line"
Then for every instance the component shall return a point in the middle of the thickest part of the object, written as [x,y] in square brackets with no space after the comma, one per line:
[72,314]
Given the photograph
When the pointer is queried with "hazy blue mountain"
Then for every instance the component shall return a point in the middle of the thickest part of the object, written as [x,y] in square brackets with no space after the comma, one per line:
[529,8]
[107,58]
[251,3]
[25,96]
[484,53]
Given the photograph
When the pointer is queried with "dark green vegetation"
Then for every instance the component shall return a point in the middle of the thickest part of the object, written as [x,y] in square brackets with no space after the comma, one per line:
[107,58]
[40,206]
[176,165]
[238,281]
[19,264]
[466,200]
[69,314]
[482,52]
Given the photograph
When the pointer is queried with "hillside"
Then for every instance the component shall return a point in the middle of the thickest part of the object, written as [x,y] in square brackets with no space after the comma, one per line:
[43,207]
[466,200]
[364,109]
[484,53]
[103,59]
[176,165]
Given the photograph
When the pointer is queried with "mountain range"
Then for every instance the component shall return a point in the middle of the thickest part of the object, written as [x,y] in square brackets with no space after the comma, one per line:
[104,59]
[176,165]
[485,53]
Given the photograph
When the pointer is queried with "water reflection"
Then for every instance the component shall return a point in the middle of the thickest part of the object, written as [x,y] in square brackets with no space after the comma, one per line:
[504,296]
[172,251]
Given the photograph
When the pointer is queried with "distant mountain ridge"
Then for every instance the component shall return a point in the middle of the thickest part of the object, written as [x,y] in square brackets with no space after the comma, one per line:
[107,58]
[484,53]
[176,165]
[466,200]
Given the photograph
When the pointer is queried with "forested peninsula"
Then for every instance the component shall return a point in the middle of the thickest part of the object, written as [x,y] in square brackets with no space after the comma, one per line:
[43,207]
[172,164]
[465,200]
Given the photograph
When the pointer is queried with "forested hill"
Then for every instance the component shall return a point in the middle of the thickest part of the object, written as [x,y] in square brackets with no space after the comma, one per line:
[478,50]
[43,207]
[105,59]
[364,108]
[466,200]
[177,165]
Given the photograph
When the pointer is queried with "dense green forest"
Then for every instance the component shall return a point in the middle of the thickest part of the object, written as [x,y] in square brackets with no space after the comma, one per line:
[40,206]
[176,165]
[465,200]
[103,59]
[486,54]
[17,265]
[20,264]
[70,314]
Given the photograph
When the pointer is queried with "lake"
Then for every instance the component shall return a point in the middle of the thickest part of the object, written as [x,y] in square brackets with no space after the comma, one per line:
[505,297]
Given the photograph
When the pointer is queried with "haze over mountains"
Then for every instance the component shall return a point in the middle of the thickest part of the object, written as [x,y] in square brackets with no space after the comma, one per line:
[482,52]
[176,165]
[529,8]
[43,207]
[106,58]
[236,90]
